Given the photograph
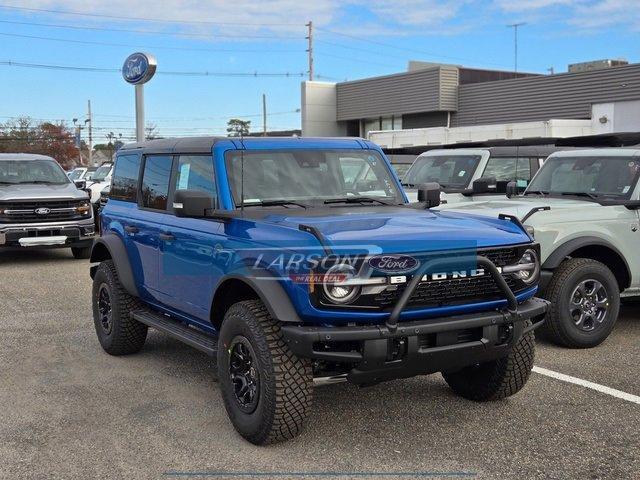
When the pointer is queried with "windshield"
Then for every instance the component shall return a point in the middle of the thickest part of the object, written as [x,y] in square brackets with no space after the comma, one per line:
[597,176]
[101,173]
[32,171]
[76,174]
[450,171]
[309,176]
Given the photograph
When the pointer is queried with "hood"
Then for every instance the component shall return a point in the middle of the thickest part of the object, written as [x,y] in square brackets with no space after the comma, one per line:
[519,206]
[27,191]
[395,230]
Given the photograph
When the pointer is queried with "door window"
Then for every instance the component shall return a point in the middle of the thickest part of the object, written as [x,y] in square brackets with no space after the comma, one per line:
[155,181]
[195,172]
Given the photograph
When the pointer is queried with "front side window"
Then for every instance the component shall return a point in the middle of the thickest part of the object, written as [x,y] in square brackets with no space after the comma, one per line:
[195,172]
[46,172]
[125,178]
[613,176]
[509,169]
[452,172]
[309,176]
[155,181]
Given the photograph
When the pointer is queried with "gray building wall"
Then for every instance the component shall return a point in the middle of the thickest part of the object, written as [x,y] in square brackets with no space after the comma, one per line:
[428,90]
[568,95]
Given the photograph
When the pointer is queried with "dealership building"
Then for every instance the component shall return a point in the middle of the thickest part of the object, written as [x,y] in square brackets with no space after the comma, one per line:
[433,104]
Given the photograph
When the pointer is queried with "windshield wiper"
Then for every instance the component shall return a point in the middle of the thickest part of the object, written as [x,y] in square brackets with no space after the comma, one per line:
[275,203]
[356,200]
[580,194]
[536,192]
[40,182]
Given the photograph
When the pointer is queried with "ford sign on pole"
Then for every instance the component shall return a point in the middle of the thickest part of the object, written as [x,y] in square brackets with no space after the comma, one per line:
[138,68]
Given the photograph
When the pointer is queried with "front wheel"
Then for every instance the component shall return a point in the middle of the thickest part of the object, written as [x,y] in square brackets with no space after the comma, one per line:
[585,301]
[267,390]
[499,378]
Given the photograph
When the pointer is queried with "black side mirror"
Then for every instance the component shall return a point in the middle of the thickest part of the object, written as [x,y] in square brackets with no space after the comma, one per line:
[429,193]
[80,184]
[483,185]
[501,186]
[512,189]
[192,203]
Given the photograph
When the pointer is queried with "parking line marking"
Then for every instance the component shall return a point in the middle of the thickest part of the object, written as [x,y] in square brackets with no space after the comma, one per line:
[587,384]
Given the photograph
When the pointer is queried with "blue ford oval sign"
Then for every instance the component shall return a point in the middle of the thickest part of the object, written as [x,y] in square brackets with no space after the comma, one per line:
[393,263]
[138,68]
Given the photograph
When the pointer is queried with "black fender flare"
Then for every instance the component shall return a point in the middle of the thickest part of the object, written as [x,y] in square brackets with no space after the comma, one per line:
[271,293]
[559,254]
[111,246]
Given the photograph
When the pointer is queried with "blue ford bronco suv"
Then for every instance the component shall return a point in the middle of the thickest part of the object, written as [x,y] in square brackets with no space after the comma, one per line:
[298,261]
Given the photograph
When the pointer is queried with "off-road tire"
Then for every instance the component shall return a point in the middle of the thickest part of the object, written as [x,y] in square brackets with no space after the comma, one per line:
[126,335]
[499,378]
[558,327]
[81,252]
[285,380]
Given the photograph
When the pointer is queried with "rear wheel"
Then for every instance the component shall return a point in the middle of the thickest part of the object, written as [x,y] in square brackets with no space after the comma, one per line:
[81,252]
[267,390]
[118,333]
[585,301]
[499,378]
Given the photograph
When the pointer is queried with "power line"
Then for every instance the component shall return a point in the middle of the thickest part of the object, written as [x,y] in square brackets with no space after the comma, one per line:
[149,32]
[163,72]
[390,45]
[148,19]
[149,47]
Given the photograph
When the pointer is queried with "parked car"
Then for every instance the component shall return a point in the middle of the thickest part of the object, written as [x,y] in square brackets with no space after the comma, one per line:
[583,209]
[270,254]
[99,179]
[41,207]
[475,174]
[81,173]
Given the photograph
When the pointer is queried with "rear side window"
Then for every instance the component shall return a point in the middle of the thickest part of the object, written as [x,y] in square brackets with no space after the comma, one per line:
[125,178]
[195,172]
[155,181]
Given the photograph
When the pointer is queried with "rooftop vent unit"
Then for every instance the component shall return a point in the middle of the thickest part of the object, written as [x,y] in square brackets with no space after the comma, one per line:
[596,65]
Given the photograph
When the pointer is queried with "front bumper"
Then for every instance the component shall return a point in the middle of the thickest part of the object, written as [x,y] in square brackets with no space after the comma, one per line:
[378,353]
[77,233]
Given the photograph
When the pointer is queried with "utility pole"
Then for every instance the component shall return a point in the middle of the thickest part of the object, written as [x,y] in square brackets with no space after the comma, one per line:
[264,115]
[515,27]
[310,48]
[89,121]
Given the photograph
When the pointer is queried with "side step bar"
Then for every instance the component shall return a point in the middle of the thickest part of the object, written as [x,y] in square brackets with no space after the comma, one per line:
[195,338]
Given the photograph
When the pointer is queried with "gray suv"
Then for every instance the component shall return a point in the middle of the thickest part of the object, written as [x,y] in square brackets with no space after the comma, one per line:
[41,207]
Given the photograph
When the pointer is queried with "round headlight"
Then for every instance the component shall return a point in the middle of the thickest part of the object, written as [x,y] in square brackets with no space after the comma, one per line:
[334,290]
[530,266]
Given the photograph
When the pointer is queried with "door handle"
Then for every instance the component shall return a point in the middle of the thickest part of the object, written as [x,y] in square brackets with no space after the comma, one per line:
[166,237]
[131,229]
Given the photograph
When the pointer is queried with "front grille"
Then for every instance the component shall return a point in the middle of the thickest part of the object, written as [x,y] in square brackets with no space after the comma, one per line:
[25,212]
[449,292]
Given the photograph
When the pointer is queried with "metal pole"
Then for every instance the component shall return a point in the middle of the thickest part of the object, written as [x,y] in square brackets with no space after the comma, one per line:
[515,27]
[310,49]
[264,115]
[90,133]
[140,113]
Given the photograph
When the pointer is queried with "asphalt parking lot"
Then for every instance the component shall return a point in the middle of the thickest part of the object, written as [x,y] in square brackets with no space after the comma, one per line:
[68,410]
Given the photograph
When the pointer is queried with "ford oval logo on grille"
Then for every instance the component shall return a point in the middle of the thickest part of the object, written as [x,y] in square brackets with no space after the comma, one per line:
[393,263]
[43,211]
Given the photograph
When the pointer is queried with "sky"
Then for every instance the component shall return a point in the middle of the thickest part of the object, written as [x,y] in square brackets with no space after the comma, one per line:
[199,43]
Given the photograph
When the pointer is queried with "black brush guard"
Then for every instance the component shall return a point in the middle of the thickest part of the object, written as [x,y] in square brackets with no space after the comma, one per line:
[375,353]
